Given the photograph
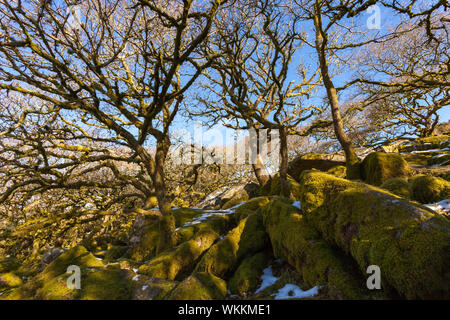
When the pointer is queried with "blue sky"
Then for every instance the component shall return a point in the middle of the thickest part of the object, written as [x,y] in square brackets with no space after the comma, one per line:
[307,54]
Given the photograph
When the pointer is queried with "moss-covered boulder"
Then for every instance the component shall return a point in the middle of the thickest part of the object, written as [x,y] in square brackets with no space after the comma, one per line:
[245,279]
[273,187]
[115,252]
[322,162]
[250,207]
[429,189]
[200,286]
[145,233]
[446,176]
[397,186]
[110,284]
[377,167]
[78,256]
[298,242]
[10,280]
[9,264]
[250,190]
[246,239]
[148,288]
[409,243]
[338,171]
[175,264]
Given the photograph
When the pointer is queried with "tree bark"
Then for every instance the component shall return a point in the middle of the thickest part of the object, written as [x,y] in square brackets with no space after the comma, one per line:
[259,168]
[352,161]
[285,190]
[167,224]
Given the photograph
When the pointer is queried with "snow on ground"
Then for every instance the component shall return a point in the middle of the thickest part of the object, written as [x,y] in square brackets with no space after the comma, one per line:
[297,204]
[443,205]
[431,150]
[268,279]
[291,291]
[207,214]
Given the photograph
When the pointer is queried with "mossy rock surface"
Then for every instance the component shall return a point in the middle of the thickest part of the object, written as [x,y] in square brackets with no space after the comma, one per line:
[9,264]
[200,286]
[250,190]
[78,256]
[245,280]
[429,189]
[10,280]
[397,186]
[338,171]
[115,252]
[149,288]
[446,176]
[246,239]
[409,243]
[300,244]
[273,187]
[250,207]
[178,262]
[320,162]
[110,284]
[377,167]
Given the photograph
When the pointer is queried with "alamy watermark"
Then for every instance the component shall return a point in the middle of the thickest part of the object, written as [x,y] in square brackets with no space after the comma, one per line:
[74,280]
[374,280]
[374,20]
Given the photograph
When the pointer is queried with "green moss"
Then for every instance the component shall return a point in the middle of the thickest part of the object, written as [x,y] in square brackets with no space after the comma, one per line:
[56,289]
[10,280]
[148,243]
[200,286]
[298,242]
[338,171]
[148,288]
[273,187]
[236,199]
[115,252]
[435,140]
[183,215]
[440,159]
[410,244]
[428,189]
[446,176]
[8,264]
[108,284]
[247,275]
[13,294]
[250,207]
[244,240]
[377,167]
[178,262]
[397,186]
[78,256]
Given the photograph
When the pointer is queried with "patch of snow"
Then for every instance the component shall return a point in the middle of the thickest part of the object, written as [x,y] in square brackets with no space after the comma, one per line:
[297,204]
[144,287]
[238,205]
[431,150]
[207,214]
[268,279]
[135,278]
[439,155]
[135,270]
[296,292]
[443,205]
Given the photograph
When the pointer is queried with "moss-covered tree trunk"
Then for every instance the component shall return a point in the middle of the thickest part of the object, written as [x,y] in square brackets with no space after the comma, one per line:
[259,168]
[352,161]
[167,224]
[283,163]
